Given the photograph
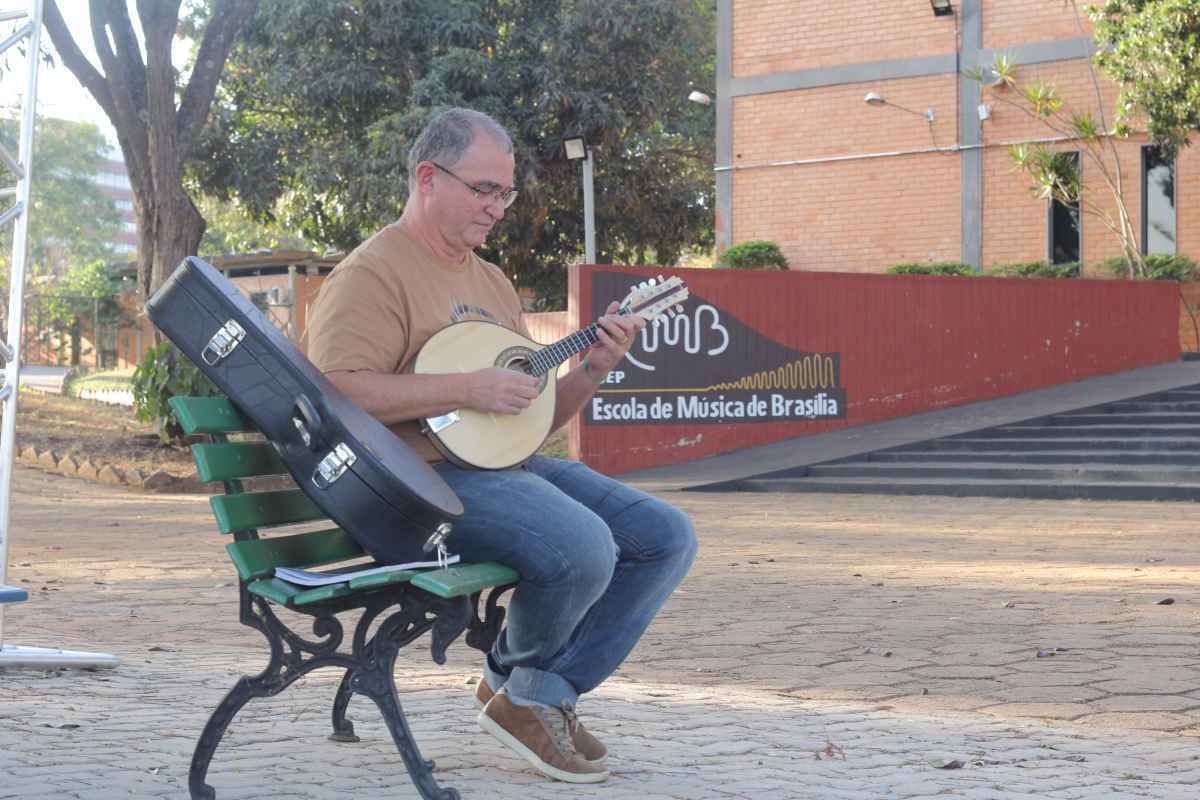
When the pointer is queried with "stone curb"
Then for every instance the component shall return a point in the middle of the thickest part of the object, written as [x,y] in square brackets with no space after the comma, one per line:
[160,481]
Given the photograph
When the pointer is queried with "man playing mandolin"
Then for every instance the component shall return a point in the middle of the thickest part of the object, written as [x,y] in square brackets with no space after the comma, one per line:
[597,558]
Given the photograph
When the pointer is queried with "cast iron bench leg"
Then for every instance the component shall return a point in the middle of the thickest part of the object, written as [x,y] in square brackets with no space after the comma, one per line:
[245,690]
[343,729]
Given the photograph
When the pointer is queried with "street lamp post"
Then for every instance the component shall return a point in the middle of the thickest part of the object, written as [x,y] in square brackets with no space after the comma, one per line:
[576,150]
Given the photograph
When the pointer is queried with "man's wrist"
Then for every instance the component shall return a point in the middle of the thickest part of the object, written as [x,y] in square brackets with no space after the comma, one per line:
[594,375]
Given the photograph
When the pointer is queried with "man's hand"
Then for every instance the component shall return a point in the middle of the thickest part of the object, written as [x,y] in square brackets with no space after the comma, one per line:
[497,390]
[615,333]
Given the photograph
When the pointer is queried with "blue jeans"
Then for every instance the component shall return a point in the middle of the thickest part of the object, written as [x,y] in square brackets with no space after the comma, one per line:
[597,560]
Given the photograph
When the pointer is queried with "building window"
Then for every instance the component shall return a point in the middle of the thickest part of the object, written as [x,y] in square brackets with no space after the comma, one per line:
[1064,221]
[1158,201]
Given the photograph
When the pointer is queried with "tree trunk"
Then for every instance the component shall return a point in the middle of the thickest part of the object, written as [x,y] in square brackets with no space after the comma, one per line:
[76,341]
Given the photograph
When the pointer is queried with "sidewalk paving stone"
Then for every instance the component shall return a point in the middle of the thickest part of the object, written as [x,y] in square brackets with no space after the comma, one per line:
[761,680]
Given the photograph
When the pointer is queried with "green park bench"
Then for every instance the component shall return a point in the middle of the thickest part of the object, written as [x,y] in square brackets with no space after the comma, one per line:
[444,601]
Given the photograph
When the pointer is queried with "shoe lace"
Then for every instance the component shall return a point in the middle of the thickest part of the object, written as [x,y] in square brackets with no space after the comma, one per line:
[561,723]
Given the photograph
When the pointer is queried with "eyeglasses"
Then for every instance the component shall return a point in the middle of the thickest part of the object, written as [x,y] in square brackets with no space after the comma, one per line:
[504,197]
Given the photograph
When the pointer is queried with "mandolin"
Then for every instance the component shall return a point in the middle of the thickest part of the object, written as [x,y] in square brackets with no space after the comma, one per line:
[479,440]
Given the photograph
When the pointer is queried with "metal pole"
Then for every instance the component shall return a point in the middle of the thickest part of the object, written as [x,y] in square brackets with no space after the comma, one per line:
[291,302]
[589,212]
[11,655]
[16,294]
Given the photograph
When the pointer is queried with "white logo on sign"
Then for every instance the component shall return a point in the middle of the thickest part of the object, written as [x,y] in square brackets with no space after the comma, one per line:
[683,329]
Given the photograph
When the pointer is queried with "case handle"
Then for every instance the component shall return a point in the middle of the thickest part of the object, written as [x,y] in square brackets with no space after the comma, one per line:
[308,423]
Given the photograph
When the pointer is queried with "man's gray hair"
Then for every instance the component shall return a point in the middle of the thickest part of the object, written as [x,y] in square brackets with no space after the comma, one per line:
[448,135]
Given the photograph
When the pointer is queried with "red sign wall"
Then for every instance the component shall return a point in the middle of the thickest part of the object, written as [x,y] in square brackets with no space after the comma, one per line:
[756,357]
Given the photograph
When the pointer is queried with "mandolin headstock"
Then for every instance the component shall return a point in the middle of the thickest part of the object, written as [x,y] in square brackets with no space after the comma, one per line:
[655,296]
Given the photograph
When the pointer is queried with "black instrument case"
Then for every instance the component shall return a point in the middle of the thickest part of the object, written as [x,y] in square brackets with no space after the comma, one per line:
[356,470]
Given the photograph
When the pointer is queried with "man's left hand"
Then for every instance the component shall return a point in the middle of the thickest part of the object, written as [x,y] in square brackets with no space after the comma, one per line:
[615,333]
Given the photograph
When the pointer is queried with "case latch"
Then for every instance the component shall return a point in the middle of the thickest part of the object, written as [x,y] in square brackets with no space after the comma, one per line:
[331,467]
[223,342]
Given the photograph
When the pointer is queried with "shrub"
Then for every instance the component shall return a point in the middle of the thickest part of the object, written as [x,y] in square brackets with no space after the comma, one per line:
[933,268]
[1037,269]
[754,254]
[1159,267]
[163,373]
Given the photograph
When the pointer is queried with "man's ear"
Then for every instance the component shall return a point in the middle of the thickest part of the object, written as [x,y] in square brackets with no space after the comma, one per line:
[424,175]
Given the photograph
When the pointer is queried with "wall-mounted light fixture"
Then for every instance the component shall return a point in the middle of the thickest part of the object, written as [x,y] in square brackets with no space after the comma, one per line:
[941,8]
[875,99]
[700,97]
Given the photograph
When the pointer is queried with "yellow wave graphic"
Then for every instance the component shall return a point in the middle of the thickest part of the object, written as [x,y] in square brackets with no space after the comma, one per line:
[810,372]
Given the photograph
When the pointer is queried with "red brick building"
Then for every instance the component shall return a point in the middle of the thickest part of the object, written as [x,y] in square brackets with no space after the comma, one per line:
[844,184]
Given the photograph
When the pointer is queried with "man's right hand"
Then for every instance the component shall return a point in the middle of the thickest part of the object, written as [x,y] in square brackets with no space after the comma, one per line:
[497,390]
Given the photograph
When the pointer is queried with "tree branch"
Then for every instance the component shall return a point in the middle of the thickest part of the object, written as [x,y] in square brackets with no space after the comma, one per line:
[129,53]
[228,18]
[126,117]
[74,60]
[159,21]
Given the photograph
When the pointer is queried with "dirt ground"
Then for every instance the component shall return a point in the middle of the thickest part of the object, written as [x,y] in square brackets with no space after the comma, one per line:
[99,432]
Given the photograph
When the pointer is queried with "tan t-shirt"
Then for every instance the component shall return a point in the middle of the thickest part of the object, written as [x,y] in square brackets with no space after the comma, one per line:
[384,300]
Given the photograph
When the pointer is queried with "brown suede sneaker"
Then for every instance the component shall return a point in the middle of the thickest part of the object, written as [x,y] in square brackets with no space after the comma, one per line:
[542,736]
[586,744]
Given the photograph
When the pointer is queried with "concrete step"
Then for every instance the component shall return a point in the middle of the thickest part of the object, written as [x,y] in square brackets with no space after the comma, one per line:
[970,488]
[1088,431]
[984,470]
[1142,406]
[1037,457]
[1055,444]
[1081,418]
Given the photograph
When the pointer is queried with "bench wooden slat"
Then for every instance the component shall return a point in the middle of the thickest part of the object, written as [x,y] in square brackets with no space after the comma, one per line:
[240,512]
[208,415]
[382,579]
[232,460]
[465,579]
[289,594]
[258,558]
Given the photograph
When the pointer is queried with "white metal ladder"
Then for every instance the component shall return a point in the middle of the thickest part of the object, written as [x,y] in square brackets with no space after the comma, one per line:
[10,346]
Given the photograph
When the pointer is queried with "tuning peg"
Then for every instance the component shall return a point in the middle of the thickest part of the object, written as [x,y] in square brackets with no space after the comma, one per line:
[679,308]
[651,282]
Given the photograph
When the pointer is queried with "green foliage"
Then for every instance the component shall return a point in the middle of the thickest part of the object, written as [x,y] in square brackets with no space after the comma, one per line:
[79,301]
[230,231]
[163,373]
[753,254]
[1159,267]
[81,378]
[954,268]
[323,98]
[1152,49]
[71,220]
[1036,269]
[1057,175]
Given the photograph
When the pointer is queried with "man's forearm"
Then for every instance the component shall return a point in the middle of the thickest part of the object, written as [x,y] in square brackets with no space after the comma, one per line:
[400,398]
[574,390]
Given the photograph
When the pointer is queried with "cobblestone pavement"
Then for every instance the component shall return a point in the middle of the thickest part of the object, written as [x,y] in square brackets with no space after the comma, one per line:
[823,647]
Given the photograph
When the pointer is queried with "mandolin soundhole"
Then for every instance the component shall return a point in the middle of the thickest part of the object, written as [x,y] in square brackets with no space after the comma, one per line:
[517,358]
